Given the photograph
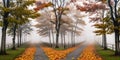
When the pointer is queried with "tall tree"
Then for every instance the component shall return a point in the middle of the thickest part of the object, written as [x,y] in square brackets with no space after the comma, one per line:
[5,10]
[20,18]
[113,5]
[59,6]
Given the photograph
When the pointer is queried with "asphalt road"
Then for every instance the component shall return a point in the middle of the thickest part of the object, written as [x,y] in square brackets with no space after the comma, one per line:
[76,53]
[40,55]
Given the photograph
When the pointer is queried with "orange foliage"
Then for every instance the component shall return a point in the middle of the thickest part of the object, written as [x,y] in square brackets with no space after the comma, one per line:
[62,9]
[89,54]
[81,8]
[43,5]
[103,1]
[92,7]
[73,1]
[28,54]
[55,54]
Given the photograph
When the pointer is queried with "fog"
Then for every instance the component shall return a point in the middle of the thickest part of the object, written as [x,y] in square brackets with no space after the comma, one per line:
[87,35]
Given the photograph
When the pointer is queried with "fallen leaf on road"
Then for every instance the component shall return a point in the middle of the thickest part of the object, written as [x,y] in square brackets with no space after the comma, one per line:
[89,54]
[28,54]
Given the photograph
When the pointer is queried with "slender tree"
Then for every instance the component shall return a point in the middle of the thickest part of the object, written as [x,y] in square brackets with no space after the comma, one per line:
[58,8]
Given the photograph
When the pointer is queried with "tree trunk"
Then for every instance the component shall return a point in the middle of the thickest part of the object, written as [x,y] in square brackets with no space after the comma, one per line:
[105,42]
[117,51]
[119,45]
[3,41]
[57,41]
[4,28]
[53,38]
[68,40]
[20,37]
[72,37]
[14,35]
[57,32]
[64,41]
[25,35]
[49,38]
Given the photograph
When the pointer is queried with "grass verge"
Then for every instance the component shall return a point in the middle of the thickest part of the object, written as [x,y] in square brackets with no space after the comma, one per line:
[12,54]
[107,54]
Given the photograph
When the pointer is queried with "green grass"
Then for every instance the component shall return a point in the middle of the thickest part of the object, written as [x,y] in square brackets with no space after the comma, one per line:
[107,54]
[12,54]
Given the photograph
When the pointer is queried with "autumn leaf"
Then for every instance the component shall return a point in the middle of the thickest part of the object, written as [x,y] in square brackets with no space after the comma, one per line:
[89,54]
[91,7]
[42,5]
[27,55]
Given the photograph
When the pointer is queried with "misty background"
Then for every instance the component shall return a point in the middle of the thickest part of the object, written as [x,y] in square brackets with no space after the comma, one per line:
[86,35]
